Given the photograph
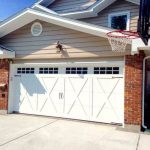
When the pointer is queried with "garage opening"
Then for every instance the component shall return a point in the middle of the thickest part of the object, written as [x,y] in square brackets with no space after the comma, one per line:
[92,92]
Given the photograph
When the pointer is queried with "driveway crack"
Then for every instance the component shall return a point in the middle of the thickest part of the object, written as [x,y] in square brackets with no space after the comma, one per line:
[28,133]
[137,146]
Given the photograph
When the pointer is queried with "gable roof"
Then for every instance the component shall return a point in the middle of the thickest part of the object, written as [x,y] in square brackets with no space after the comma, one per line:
[45,2]
[30,15]
[48,2]
[91,11]
[65,6]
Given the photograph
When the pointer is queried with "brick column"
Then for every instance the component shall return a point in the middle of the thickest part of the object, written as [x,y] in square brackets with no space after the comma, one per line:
[133,88]
[4,73]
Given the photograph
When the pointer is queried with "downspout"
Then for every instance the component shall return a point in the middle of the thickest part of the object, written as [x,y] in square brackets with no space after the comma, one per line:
[143,95]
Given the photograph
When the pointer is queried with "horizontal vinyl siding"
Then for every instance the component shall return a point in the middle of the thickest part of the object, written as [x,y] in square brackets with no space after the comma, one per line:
[76,44]
[118,6]
[65,6]
[41,61]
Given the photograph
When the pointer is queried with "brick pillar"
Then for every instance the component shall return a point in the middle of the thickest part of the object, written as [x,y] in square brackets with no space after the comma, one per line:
[4,73]
[133,88]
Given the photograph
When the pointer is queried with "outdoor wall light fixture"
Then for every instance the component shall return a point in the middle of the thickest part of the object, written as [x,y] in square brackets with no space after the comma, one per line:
[59,47]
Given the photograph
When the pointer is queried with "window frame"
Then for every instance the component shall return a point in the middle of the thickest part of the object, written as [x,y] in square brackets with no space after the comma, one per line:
[127,13]
[76,70]
[48,70]
[32,29]
[106,70]
[25,70]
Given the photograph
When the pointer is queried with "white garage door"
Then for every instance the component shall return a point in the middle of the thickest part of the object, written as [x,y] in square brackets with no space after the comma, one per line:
[93,93]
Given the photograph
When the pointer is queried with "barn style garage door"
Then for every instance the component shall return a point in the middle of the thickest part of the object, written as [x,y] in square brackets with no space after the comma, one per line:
[92,93]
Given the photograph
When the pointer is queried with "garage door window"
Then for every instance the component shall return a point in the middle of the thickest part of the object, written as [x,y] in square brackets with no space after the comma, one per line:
[78,70]
[25,70]
[48,71]
[106,70]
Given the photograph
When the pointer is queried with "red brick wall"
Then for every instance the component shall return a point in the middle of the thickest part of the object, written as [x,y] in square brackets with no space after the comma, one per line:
[133,88]
[4,70]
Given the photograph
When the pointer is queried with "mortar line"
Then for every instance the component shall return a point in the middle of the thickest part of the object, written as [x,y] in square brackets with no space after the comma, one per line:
[28,133]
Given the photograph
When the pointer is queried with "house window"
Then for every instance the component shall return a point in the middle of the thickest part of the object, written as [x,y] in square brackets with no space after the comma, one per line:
[106,70]
[48,70]
[36,29]
[78,70]
[119,21]
[25,70]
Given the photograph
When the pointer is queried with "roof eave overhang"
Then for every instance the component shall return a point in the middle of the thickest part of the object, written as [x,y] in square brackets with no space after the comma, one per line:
[136,43]
[4,54]
[134,2]
[40,7]
[94,10]
[91,12]
[30,15]
[43,3]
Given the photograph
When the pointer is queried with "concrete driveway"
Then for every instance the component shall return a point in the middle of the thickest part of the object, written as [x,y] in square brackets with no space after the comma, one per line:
[21,132]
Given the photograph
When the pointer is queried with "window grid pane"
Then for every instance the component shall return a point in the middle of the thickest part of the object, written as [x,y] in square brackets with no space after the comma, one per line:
[48,71]
[119,22]
[25,70]
[78,70]
[106,70]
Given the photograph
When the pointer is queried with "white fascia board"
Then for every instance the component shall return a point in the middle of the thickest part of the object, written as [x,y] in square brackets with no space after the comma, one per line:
[6,54]
[37,3]
[72,24]
[1,52]
[94,10]
[137,2]
[30,15]
[47,2]
[16,22]
[40,7]
[91,12]
[80,14]
[43,2]
[136,43]
[102,5]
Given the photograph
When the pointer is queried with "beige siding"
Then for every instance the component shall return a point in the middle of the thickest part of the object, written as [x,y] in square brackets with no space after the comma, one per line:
[65,6]
[118,6]
[85,60]
[76,44]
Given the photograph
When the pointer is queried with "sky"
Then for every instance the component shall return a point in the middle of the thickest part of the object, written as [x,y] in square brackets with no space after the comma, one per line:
[11,7]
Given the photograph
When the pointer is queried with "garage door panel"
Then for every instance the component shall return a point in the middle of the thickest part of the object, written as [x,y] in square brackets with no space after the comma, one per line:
[46,105]
[26,94]
[107,100]
[75,92]
[119,88]
[77,112]
[77,97]
[27,105]
[108,85]
[17,94]
[50,102]
[77,84]
[108,116]
[117,101]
